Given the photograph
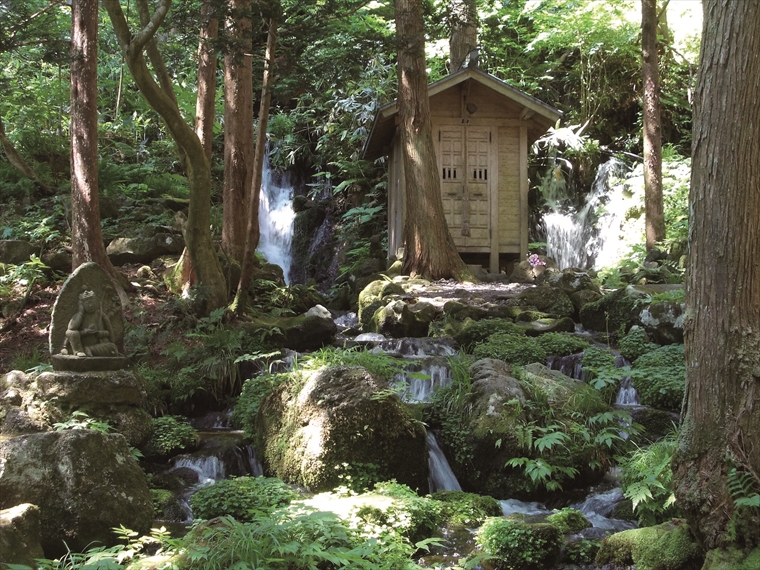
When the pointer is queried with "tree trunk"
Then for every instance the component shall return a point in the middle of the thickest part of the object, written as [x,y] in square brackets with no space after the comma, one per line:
[429,249]
[18,162]
[86,237]
[463,21]
[655,215]
[253,232]
[238,128]
[721,415]
[199,242]
[204,103]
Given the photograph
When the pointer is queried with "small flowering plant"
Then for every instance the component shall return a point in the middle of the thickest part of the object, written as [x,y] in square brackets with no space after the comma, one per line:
[535,261]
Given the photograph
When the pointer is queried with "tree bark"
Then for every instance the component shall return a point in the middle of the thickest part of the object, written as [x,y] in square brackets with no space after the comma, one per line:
[721,415]
[238,128]
[429,249]
[653,205]
[18,162]
[199,243]
[253,231]
[86,237]
[463,21]
[204,103]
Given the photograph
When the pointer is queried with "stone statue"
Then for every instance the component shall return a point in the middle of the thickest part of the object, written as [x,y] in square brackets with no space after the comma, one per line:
[89,332]
[87,328]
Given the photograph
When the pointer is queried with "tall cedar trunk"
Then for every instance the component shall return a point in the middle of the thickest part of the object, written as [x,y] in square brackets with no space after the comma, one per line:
[253,231]
[429,249]
[721,416]
[206,97]
[86,238]
[463,20]
[238,128]
[199,243]
[655,215]
[204,112]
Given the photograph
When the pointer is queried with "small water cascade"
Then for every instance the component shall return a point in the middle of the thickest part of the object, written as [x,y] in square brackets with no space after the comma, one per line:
[276,218]
[577,237]
[598,508]
[571,365]
[442,478]
[627,395]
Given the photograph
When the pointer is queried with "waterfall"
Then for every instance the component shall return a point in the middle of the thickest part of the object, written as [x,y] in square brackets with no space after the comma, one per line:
[442,478]
[627,395]
[276,218]
[577,237]
[208,468]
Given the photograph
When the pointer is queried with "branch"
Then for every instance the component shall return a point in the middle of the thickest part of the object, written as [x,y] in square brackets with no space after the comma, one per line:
[149,30]
[14,30]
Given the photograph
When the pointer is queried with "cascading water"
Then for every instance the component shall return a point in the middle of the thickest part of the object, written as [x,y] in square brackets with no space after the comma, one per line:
[583,237]
[442,478]
[276,218]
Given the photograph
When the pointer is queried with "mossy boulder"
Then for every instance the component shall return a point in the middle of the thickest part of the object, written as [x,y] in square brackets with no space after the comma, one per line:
[732,559]
[371,299]
[20,535]
[310,331]
[517,544]
[552,300]
[547,325]
[340,425]
[615,313]
[668,546]
[398,319]
[84,482]
[570,280]
[461,311]
[562,392]
[471,331]
[467,509]
[569,520]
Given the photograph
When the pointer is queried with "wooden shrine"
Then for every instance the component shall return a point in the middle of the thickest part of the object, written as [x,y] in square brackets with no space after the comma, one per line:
[482,129]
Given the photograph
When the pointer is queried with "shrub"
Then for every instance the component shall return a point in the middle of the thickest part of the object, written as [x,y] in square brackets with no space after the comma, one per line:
[561,344]
[171,435]
[512,348]
[660,377]
[241,497]
[414,517]
[636,343]
[247,405]
[518,545]
[473,332]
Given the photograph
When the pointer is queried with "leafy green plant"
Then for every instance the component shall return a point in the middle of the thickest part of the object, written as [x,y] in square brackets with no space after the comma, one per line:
[243,498]
[467,509]
[521,350]
[171,435]
[659,377]
[80,420]
[646,481]
[380,364]
[569,520]
[247,406]
[636,343]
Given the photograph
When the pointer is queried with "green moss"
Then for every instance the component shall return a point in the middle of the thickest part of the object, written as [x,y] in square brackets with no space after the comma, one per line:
[518,545]
[240,497]
[664,547]
[636,343]
[471,331]
[467,509]
[732,559]
[511,348]
[659,377]
[569,520]
[166,505]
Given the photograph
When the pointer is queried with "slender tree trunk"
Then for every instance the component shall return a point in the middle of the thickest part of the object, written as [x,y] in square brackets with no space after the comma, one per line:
[655,215]
[18,162]
[721,415]
[198,234]
[429,249]
[238,128]
[86,237]
[253,231]
[463,20]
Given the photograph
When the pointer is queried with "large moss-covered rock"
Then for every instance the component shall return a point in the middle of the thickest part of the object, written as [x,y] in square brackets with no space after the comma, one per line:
[669,546]
[398,319]
[20,535]
[144,249]
[310,331]
[732,559]
[84,482]
[330,424]
[563,392]
[517,544]
[614,313]
[548,299]
[371,299]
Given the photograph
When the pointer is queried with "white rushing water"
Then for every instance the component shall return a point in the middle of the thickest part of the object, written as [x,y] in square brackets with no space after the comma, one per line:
[589,236]
[442,478]
[276,218]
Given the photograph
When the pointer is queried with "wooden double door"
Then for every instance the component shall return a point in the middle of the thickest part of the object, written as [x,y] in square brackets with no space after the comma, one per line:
[467,181]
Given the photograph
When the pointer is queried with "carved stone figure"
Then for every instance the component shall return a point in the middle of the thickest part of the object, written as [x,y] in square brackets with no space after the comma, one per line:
[87,328]
[89,332]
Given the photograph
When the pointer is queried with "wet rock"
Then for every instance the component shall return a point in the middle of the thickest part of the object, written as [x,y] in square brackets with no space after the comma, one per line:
[399,319]
[548,299]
